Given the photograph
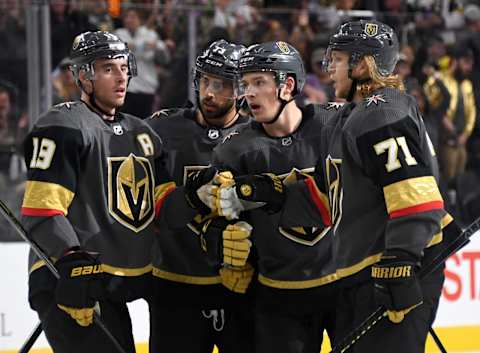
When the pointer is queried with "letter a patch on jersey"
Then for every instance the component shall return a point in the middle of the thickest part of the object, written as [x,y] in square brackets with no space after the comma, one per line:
[131,191]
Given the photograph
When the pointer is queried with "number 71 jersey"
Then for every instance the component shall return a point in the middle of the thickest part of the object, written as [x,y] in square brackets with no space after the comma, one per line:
[381,173]
[94,184]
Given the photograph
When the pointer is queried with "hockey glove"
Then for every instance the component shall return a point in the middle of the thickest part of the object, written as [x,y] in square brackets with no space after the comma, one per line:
[211,239]
[237,279]
[236,244]
[396,287]
[250,192]
[199,191]
[263,188]
[79,285]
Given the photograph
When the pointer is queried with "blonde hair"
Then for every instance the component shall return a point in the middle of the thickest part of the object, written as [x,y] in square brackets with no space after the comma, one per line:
[376,80]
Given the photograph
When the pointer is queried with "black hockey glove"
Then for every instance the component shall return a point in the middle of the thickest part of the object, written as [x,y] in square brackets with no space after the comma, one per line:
[211,239]
[396,286]
[203,203]
[79,285]
[264,188]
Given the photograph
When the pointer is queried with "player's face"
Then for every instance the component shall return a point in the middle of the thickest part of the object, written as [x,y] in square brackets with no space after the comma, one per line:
[338,72]
[261,92]
[111,78]
[216,96]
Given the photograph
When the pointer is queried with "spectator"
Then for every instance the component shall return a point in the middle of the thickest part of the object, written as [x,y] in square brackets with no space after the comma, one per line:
[13,53]
[12,169]
[145,44]
[459,119]
[64,86]
[65,23]
[318,86]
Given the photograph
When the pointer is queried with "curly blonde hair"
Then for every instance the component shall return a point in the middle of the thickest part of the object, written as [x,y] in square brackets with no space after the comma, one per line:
[376,80]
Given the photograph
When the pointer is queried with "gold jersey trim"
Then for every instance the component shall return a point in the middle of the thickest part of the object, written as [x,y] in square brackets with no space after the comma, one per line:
[116,271]
[368,261]
[126,272]
[438,238]
[311,283]
[410,193]
[163,189]
[47,196]
[176,277]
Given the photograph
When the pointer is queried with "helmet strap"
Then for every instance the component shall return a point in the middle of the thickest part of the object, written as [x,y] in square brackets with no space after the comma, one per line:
[283,104]
[93,101]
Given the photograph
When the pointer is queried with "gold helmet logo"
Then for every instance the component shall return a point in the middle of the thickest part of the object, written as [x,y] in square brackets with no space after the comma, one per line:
[371,29]
[284,48]
[246,190]
[131,194]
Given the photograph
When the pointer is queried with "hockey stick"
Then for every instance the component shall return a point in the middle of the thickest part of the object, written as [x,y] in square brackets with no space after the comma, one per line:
[374,318]
[30,341]
[39,252]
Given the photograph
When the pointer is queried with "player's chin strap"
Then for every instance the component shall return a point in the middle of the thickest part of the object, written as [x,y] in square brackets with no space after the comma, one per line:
[283,104]
[94,104]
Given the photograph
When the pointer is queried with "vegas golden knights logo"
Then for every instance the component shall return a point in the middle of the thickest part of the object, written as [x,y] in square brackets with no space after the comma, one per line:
[303,235]
[131,191]
[284,48]
[371,29]
[335,190]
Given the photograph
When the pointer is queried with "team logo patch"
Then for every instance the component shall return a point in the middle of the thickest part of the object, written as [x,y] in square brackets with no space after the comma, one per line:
[375,99]
[371,29]
[213,134]
[287,141]
[333,167]
[284,48]
[246,190]
[230,135]
[131,191]
[304,235]
[333,105]
[117,129]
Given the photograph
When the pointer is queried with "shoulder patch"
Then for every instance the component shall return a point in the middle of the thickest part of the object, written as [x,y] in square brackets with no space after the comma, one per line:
[230,135]
[375,99]
[163,113]
[333,105]
[65,105]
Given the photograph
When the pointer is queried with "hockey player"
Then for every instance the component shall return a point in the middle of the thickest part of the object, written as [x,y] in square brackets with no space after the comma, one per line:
[192,311]
[293,301]
[96,179]
[386,210]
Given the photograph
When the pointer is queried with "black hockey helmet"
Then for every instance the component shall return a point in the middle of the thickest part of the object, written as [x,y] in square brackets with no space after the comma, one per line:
[90,46]
[366,37]
[278,57]
[219,59]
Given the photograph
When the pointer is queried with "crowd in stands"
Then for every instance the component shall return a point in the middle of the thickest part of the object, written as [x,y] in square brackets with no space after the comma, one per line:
[439,63]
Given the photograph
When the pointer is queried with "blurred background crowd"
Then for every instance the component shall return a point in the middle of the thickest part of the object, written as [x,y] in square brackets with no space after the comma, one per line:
[439,63]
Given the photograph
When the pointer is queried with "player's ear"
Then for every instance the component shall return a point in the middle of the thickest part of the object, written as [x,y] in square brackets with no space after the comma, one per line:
[288,88]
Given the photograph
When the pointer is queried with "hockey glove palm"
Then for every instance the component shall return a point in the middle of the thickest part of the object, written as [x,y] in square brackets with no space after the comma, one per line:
[79,285]
[236,244]
[237,279]
[396,286]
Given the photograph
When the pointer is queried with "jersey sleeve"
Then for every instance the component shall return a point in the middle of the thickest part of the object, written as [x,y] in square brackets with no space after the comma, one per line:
[53,157]
[398,158]
[171,207]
